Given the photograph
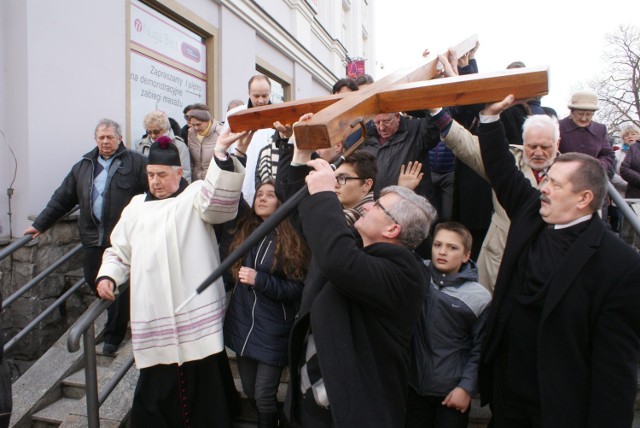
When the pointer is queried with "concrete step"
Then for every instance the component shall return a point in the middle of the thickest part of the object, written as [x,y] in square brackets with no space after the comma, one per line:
[53,414]
[74,386]
[40,385]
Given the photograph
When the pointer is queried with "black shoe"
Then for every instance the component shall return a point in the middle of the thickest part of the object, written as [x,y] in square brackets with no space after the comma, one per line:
[109,348]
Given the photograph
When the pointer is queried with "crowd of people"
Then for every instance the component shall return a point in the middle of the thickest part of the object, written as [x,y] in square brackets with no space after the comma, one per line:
[387,306]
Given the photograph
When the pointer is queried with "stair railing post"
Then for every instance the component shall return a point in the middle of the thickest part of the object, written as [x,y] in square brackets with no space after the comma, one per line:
[91,377]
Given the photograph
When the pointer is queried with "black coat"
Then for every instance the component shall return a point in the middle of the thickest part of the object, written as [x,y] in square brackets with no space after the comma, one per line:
[362,305]
[127,178]
[411,142]
[588,339]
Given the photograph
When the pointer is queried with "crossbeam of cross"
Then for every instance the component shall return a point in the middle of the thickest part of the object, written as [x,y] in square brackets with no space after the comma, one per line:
[406,90]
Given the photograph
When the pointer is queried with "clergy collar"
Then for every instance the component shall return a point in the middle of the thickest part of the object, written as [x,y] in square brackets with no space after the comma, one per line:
[573,223]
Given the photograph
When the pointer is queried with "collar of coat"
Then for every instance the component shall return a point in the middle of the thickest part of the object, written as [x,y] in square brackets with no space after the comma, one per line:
[183,185]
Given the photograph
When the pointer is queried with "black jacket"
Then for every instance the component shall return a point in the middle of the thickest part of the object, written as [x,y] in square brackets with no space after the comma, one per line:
[362,306]
[411,142]
[588,339]
[127,178]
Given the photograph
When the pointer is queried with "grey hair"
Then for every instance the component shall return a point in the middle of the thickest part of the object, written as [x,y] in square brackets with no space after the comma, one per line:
[629,129]
[415,224]
[108,123]
[158,118]
[541,121]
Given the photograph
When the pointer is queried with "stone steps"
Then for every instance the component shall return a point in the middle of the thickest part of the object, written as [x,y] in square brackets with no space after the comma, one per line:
[55,413]
[70,395]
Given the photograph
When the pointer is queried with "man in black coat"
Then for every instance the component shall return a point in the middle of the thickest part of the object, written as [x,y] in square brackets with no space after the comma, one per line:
[562,336]
[102,183]
[349,346]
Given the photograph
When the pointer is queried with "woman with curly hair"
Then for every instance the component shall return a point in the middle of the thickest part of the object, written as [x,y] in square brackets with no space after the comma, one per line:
[265,299]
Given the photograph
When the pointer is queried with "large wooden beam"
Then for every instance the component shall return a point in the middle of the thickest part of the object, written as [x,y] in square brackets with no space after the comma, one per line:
[323,131]
[289,112]
[286,113]
[464,90]
[332,124]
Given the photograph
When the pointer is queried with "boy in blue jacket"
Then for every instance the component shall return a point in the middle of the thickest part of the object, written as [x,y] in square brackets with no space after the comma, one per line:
[445,348]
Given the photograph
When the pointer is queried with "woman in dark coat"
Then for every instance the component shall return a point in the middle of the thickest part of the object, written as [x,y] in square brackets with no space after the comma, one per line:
[264,303]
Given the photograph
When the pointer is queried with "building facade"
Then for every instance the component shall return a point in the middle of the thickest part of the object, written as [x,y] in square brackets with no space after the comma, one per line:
[64,65]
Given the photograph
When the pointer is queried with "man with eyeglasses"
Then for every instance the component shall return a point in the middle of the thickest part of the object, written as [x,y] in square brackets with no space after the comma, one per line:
[354,184]
[348,347]
[541,136]
[398,140]
[579,133]
[157,125]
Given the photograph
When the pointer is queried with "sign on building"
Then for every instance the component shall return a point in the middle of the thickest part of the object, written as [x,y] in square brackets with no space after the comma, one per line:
[168,67]
[355,67]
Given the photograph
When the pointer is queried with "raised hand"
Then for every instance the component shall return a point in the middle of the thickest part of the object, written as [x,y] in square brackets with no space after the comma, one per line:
[410,176]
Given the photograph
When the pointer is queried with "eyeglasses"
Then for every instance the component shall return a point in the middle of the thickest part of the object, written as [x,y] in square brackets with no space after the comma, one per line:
[155,131]
[342,179]
[385,122]
[384,210]
[585,114]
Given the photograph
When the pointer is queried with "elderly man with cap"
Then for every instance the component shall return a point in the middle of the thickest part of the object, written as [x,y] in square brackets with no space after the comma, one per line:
[202,137]
[579,133]
[164,241]
[157,125]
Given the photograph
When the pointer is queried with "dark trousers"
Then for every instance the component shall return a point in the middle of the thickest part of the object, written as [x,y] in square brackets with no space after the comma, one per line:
[198,393]
[428,412]
[260,383]
[118,313]
[5,394]
[309,414]
[443,193]
[508,409]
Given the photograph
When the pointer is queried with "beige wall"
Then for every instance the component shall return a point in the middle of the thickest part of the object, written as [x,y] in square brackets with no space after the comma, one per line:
[64,65]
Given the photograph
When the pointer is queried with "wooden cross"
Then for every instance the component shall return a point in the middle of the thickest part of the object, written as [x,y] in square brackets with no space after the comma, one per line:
[405,90]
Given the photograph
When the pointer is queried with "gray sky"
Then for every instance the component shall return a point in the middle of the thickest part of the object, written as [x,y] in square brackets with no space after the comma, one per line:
[566,36]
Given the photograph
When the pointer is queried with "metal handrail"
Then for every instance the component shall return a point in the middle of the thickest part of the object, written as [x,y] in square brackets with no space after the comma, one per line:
[27,329]
[84,328]
[115,379]
[42,275]
[84,322]
[14,246]
[623,205]
[25,239]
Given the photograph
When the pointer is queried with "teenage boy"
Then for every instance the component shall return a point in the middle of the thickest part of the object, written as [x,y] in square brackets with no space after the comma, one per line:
[445,348]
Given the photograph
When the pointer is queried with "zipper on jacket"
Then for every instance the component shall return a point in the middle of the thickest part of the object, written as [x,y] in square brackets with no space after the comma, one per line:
[255,298]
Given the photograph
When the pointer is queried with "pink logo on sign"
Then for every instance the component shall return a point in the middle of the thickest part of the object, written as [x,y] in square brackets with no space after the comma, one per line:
[138,25]
[190,52]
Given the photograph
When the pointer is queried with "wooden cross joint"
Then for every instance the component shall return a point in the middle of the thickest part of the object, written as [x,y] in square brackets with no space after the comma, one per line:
[406,90]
